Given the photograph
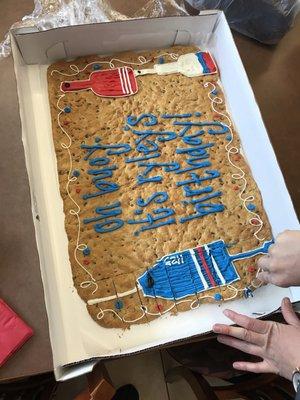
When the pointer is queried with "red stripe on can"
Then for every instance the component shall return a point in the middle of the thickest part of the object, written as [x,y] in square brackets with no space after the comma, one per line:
[209,62]
[205,266]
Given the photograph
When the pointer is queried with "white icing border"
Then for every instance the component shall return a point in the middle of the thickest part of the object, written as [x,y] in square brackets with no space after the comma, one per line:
[234,150]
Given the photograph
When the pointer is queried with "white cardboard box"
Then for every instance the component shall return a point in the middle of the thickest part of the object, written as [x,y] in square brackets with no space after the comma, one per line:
[75,337]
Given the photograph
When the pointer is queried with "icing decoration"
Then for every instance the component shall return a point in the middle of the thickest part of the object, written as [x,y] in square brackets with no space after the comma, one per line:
[218,297]
[76,173]
[96,67]
[117,82]
[232,151]
[86,251]
[119,304]
[67,109]
[161,60]
[228,137]
[190,65]
[197,114]
[251,207]
[251,268]
[168,116]
[107,217]
[154,221]
[248,293]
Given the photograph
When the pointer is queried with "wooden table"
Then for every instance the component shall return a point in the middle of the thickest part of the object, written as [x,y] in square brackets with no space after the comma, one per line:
[274,75]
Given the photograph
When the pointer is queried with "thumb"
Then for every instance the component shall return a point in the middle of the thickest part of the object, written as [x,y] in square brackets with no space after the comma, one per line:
[288,313]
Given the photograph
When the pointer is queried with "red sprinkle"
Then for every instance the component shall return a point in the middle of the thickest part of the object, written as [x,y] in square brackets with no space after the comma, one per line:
[66,122]
[159,307]
[236,187]
[251,268]
[86,262]
[78,190]
[255,221]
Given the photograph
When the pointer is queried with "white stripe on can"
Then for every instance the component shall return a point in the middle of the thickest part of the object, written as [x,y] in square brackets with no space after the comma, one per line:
[121,80]
[198,268]
[128,81]
[125,81]
[215,265]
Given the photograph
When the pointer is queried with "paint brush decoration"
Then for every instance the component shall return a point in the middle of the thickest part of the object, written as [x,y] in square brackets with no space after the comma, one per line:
[121,82]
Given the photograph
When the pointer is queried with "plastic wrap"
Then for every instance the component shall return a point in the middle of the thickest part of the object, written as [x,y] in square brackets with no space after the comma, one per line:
[264,20]
[49,14]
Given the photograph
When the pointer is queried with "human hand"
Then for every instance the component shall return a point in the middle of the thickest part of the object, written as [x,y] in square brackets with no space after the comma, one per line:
[281,266]
[277,344]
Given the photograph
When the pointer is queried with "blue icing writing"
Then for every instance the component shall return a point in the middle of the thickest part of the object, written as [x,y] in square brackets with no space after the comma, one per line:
[202,210]
[167,167]
[198,151]
[141,179]
[108,214]
[197,114]
[204,198]
[102,173]
[103,187]
[111,149]
[188,125]
[138,211]
[155,221]
[137,159]
[195,178]
[143,148]
[147,120]
[161,136]
[195,192]
[99,161]
[199,165]
[167,116]
[157,197]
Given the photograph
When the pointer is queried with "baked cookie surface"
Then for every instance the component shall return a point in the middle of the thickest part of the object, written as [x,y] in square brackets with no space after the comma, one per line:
[161,210]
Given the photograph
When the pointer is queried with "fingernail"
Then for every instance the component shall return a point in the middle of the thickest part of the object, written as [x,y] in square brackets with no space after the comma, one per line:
[226,313]
[216,328]
[220,339]
[287,301]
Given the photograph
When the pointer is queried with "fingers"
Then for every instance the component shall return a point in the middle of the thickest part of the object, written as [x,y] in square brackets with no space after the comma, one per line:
[265,277]
[257,368]
[239,333]
[240,345]
[264,263]
[251,324]
[288,313]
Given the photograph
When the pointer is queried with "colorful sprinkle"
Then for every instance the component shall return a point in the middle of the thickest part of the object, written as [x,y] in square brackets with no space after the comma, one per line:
[228,137]
[159,307]
[248,293]
[214,92]
[251,268]
[96,67]
[126,128]
[161,60]
[251,207]
[86,251]
[236,188]
[218,296]
[97,139]
[119,305]
[255,221]
[66,122]
[86,262]
[76,173]
[67,109]
[78,190]
[197,114]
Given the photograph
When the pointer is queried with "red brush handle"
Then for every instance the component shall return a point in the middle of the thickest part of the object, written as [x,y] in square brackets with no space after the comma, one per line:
[76,85]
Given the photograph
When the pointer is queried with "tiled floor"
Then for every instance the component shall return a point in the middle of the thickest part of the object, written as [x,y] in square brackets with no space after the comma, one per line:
[146,373]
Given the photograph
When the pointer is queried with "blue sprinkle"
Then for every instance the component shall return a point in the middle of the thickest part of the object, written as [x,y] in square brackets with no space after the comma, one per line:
[119,304]
[248,293]
[197,114]
[138,211]
[76,173]
[67,109]
[86,251]
[97,139]
[161,60]
[96,67]
[218,297]
[228,137]
[126,128]
[251,207]
[214,92]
